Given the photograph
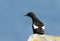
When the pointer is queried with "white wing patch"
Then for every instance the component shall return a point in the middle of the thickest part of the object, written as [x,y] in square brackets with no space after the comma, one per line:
[43,27]
[35,27]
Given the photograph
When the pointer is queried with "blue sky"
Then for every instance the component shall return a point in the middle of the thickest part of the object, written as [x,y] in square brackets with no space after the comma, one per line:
[14,26]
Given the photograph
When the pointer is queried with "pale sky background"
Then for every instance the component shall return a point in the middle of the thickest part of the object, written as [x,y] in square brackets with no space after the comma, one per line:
[14,26]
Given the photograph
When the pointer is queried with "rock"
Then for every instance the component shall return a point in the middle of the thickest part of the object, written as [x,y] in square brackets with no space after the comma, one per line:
[37,37]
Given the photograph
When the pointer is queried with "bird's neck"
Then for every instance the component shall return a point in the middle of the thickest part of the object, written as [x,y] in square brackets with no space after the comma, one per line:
[34,19]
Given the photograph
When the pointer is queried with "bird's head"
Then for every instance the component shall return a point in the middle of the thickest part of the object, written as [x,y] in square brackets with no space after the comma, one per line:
[31,14]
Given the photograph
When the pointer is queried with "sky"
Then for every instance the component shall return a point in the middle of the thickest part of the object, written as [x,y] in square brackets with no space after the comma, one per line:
[14,26]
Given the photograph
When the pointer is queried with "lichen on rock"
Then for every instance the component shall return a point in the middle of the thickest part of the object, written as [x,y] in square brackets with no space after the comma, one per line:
[37,37]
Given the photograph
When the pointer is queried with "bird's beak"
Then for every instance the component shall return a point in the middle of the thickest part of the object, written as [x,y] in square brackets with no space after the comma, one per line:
[25,15]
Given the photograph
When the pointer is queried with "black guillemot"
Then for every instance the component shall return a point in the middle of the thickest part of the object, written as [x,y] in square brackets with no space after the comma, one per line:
[37,26]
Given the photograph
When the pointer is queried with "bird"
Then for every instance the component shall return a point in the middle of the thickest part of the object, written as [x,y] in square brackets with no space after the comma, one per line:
[37,25]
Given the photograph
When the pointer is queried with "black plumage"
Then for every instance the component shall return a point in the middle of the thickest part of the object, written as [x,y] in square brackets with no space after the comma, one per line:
[37,23]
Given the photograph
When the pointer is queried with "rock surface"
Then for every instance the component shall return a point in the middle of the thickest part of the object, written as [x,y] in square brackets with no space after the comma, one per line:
[37,37]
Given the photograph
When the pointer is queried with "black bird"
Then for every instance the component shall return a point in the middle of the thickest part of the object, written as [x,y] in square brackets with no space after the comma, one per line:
[37,26]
